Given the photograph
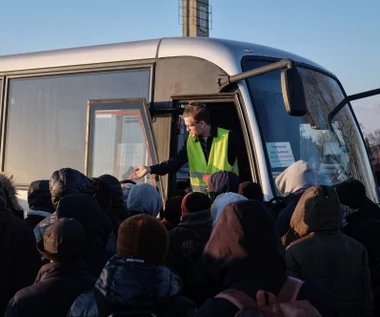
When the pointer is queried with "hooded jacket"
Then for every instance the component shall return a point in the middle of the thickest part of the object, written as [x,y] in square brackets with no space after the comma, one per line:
[101,240]
[326,256]
[55,289]
[144,198]
[291,183]
[243,253]
[19,259]
[128,284]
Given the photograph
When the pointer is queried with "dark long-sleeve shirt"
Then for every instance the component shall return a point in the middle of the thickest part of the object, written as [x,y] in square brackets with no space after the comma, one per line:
[235,148]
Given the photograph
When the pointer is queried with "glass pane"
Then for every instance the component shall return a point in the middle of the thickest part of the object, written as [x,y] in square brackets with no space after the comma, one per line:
[119,143]
[46,127]
[335,154]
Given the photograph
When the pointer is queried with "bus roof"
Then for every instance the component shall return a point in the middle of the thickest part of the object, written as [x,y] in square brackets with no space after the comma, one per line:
[226,54]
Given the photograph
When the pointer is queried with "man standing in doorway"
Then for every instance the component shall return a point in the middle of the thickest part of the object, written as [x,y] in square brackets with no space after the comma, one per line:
[208,149]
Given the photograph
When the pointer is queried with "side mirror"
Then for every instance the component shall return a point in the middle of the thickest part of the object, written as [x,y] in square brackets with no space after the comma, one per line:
[293,92]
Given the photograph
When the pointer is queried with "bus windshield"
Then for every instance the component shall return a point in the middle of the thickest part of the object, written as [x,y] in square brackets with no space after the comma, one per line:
[335,153]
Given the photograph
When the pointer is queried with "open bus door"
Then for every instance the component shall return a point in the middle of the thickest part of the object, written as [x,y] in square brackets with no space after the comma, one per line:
[119,138]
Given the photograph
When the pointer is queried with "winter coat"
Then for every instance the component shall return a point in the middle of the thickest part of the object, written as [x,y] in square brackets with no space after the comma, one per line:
[326,256]
[243,253]
[19,259]
[291,183]
[101,240]
[128,284]
[56,287]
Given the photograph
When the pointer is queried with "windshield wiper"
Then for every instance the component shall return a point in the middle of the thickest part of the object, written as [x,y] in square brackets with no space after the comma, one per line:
[346,100]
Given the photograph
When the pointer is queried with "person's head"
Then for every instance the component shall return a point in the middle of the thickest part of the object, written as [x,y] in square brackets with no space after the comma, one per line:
[173,211]
[298,176]
[65,240]
[194,202]
[244,243]
[68,181]
[197,119]
[102,193]
[144,198]
[251,190]
[318,210]
[222,182]
[221,202]
[39,197]
[143,237]
[351,193]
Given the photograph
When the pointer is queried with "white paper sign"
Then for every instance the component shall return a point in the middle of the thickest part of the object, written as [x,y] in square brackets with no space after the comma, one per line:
[280,154]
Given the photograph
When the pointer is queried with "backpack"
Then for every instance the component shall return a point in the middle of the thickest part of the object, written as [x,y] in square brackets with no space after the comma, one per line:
[268,305]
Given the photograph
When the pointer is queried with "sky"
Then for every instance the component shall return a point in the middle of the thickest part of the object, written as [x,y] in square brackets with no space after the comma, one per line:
[341,35]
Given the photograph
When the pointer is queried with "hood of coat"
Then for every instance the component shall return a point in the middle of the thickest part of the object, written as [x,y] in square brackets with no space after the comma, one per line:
[9,189]
[318,210]
[39,197]
[144,198]
[68,181]
[221,202]
[132,282]
[296,177]
[244,243]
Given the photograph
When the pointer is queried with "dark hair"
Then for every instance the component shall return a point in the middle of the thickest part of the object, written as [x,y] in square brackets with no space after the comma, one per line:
[199,112]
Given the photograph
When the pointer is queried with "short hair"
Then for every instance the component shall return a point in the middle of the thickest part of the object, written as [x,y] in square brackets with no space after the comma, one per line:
[198,111]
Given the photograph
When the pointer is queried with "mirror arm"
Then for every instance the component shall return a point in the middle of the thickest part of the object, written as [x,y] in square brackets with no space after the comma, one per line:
[224,81]
[346,100]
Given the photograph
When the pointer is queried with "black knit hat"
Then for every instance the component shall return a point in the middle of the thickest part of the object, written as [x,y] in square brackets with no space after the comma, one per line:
[143,237]
[251,190]
[194,202]
[64,240]
[351,193]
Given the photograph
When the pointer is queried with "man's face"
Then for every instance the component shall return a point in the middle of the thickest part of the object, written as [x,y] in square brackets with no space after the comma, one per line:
[195,129]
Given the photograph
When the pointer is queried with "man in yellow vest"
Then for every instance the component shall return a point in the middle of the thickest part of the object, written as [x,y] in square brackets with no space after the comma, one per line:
[208,149]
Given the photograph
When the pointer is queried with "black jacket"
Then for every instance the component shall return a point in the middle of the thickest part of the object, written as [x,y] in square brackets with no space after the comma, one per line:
[243,253]
[56,287]
[101,240]
[364,226]
[128,284]
[235,148]
[19,259]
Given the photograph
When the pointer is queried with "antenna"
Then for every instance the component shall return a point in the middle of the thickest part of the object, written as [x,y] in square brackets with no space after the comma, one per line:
[195,17]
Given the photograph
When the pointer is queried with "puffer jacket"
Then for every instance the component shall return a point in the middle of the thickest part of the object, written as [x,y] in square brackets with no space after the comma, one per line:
[291,183]
[101,244]
[326,256]
[128,284]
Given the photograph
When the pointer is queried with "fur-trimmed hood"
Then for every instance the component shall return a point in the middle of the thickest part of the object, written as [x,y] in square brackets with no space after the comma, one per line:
[11,194]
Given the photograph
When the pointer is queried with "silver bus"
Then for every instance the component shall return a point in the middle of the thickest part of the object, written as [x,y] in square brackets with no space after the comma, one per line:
[109,108]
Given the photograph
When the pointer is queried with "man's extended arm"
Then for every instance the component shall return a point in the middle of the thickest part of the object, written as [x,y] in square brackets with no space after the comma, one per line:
[172,165]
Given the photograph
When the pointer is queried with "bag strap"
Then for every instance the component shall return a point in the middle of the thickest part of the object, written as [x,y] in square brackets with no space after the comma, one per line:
[289,290]
[240,299]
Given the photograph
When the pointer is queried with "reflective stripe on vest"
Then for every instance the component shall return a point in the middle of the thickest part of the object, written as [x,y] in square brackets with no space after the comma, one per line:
[218,159]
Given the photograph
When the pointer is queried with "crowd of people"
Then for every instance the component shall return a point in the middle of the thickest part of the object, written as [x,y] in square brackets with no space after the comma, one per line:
[100,246]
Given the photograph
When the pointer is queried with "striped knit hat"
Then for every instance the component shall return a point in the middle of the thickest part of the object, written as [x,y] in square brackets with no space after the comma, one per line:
[194,202]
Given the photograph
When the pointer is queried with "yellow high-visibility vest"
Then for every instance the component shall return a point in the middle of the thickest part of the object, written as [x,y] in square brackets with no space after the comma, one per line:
[217,161]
